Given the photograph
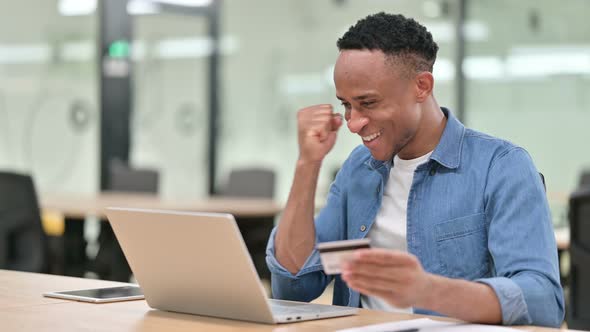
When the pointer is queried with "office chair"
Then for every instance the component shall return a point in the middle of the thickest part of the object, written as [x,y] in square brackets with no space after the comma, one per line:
[578,316]
[584,179]
[253,183]
[23,244]
[124,178]
[110,262]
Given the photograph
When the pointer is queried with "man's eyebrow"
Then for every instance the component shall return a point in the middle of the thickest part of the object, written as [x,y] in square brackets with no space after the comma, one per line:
[361,97]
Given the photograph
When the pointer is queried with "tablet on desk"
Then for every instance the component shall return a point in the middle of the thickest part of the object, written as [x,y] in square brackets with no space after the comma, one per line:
[100,295]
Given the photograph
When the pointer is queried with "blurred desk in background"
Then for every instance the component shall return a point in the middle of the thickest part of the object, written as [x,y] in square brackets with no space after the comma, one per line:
[561,197]
[80,206]
[562,237]
[254,216]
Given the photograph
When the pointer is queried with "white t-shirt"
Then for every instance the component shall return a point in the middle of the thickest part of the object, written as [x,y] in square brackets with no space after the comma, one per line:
[389,229]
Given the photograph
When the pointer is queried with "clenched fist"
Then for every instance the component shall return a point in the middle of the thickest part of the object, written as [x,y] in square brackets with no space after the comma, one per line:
[317,128]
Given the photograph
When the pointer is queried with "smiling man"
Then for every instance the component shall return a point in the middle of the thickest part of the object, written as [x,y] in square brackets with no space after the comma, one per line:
[458,220]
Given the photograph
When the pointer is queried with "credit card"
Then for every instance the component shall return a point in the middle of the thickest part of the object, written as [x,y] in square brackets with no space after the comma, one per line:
[334,253]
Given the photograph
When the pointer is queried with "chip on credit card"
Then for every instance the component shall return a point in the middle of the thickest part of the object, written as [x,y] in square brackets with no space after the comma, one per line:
[334,253]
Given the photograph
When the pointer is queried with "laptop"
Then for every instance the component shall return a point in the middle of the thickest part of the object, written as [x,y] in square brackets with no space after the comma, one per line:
[197,263]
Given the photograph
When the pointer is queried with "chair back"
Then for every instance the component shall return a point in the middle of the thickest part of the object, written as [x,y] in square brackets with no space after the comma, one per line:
[110,262]
[124,178]
[251,182]
[579,299]
[23,243]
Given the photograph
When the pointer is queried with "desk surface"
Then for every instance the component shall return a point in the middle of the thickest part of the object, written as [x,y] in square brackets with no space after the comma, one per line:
[82,205]
[562,237]
[22,308]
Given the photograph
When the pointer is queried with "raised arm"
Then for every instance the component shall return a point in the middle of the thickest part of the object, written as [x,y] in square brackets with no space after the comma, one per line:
[295,236]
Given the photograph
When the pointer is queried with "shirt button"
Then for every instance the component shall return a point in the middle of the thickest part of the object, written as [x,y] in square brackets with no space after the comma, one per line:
[363,228]
[432,171]
[378,189]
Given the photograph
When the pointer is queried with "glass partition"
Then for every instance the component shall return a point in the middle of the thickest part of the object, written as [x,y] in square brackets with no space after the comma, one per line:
[528,82]
[282,61]
[48,96]
[170,105]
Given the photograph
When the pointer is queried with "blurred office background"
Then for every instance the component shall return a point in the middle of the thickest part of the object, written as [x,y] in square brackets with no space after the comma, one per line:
[526,67]
[525,77]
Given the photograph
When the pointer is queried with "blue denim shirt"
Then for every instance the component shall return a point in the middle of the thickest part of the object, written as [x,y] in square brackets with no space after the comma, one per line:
[477,211]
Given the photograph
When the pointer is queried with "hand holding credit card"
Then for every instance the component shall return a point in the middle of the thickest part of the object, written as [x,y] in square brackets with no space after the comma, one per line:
[333,254]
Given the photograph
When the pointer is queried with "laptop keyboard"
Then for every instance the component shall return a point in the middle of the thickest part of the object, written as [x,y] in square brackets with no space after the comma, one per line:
[279,307]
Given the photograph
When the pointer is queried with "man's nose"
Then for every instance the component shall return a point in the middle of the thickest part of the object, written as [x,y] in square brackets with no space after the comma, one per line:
[356,122]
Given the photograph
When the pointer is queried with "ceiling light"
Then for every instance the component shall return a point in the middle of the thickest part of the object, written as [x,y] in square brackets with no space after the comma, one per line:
[188,3]
[138,7]
[76,7]
[24,53]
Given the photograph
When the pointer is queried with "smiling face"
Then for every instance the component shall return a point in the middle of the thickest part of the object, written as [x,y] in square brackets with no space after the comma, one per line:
[380,101]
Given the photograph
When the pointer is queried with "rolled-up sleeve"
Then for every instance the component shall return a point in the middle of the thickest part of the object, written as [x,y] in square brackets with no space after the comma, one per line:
[306,285]
[522,244]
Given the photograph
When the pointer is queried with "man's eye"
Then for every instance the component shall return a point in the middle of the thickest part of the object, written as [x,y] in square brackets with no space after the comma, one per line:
[345,104]
[368,103]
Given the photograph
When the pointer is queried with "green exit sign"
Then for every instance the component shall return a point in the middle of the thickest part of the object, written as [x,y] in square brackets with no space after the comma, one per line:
[119,49]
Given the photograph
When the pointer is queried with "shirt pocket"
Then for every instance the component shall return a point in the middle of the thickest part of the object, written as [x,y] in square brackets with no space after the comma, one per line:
[463,247]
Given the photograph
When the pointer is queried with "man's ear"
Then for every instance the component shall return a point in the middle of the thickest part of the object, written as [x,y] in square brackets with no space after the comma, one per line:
[424,84]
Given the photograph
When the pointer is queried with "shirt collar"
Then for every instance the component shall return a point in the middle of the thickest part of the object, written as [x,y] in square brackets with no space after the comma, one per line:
[448,150]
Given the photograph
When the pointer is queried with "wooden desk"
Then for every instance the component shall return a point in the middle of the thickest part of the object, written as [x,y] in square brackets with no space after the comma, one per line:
[76,206]
[21,289]
[22,308]
[559,197]
[562,237]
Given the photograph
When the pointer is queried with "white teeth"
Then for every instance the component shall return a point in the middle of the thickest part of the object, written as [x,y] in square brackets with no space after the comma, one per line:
[371,137]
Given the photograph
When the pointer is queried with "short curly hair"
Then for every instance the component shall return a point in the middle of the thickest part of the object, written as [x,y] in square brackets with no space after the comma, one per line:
[398,37]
